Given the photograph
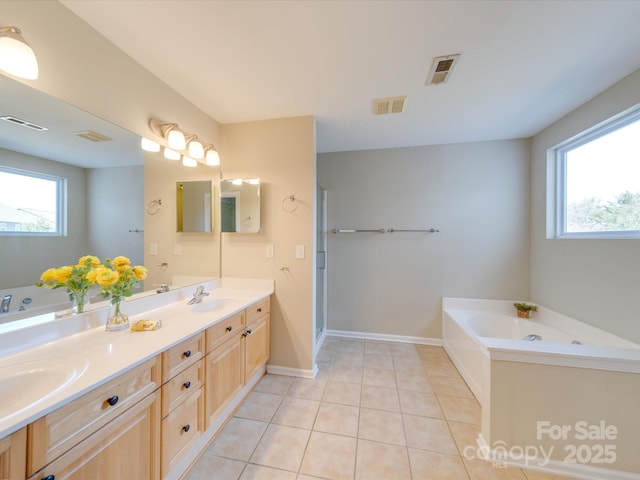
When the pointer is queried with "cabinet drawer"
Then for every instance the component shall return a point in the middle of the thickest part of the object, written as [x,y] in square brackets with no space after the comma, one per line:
[181,356]
[257,310]
[225,329]
[57,432]
[181,386]
[180,428]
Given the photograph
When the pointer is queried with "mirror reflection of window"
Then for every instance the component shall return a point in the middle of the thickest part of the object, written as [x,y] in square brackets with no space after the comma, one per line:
[240,205]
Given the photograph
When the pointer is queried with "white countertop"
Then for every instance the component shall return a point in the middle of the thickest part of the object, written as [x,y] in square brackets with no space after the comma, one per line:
[81,344]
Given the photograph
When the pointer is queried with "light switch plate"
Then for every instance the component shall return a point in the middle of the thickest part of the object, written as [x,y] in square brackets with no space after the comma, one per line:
[153,248]
[268,250]
[177,249]
[300,251]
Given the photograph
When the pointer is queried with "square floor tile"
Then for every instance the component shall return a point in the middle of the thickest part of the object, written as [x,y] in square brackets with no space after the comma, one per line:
[210,467]
[404,350]
[379,461]
[531,475]
[307,388]
[379,377]
[481,470]
[281,447]
[348,359]
[259,406]
[274,384]
[351,345]
[441,368]
[238,438]
[343,393]
[346,374]
[418,403]
[378,361]
[459,409]
[258,472]
[416,382]
[337,419]
[452,386]
[429,434]
[329,456]
[380,426]
[377,348]
[436,466]
[380,398]
[296,412]
[465,435]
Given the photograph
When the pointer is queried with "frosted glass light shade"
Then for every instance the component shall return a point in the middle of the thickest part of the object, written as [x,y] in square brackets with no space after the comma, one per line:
[171,154]
[176,140]
[149,145]
[212,158]
[196,150]
[189,162]
[16,56]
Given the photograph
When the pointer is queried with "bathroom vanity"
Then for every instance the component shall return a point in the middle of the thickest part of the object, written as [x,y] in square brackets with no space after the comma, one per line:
[133,404]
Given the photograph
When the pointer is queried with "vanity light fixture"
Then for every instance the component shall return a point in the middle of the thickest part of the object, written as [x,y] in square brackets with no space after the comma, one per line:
[149,145]
[212,157]
[189,162]
[170,132]
[171,154]
[195,147]
[16,56]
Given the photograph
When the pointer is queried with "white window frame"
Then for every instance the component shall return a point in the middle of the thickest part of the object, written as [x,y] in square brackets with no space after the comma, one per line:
[558,157]
[60,225]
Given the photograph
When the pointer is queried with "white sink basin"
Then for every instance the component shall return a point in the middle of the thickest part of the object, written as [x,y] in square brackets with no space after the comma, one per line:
[210,305]
[29,383]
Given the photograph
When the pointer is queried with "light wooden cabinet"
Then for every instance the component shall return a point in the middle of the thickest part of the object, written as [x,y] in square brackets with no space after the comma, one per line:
[127,447]
[13,456]
[225,374]
[257,338]
[56,433]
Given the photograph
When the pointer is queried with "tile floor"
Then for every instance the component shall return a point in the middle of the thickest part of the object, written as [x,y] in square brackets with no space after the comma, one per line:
[376,411]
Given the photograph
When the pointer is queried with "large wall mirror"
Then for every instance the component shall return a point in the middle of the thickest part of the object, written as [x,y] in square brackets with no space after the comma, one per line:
[240,205]
[104,169]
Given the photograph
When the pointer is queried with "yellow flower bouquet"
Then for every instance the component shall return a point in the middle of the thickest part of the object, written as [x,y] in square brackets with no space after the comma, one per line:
[117,278]
[75,278]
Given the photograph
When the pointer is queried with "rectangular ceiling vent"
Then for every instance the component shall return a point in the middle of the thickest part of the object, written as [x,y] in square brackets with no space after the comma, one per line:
[93,136]
[382,106]
[441,69]
[23,123]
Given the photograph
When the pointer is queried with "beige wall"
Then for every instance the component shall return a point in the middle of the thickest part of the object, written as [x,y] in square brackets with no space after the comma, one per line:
[595,281]
[476,194]
[282,153]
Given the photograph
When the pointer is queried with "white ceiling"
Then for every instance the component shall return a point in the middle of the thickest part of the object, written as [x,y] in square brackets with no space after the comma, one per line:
[524,64]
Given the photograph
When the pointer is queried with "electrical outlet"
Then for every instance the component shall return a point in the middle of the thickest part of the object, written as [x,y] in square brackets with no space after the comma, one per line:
[153,249]
[268,250]
[300,251]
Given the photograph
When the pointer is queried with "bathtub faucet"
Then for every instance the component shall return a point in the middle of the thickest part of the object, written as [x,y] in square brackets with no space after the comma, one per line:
[532,337]
[6,302]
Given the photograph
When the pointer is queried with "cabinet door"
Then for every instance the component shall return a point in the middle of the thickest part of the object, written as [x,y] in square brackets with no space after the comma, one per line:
[13,456]
[257,346]
[225,375]
[128,447]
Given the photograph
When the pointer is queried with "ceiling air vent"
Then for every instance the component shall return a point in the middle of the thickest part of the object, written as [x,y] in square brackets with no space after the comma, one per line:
[23,123]
[382,106]
[93,136]
[441,69]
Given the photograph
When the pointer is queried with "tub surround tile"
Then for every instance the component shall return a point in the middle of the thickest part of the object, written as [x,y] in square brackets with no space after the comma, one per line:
[436,466]
[281,447]
[330,456]
[343,393]
[382,461]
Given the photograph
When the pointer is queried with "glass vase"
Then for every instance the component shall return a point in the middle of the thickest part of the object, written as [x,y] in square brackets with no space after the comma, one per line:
[118,318]
[79,301]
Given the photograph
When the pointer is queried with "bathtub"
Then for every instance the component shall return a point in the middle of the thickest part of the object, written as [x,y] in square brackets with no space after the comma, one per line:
[575,373]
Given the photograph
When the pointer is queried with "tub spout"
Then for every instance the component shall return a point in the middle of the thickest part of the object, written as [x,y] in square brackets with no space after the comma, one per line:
[532,337]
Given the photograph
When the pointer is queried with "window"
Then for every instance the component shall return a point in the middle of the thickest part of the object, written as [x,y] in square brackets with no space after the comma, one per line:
[598,182]
[31,203]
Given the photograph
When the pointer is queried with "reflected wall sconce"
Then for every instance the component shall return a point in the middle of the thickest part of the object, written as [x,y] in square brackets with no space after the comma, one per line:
[178,145]
[16,56]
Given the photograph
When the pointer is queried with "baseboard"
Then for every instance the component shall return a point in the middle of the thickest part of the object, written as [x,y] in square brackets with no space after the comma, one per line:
[319,341]
[293,372]
[436,342]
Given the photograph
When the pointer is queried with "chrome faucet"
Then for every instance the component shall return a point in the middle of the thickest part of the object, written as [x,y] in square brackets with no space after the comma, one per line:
[6,302]
[532,337]
[198,295]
